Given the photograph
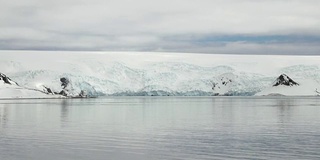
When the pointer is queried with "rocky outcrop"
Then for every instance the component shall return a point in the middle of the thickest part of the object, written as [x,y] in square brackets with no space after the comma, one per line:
[64,82]
[285,80]
[66,90]
[223,84]
[7,80]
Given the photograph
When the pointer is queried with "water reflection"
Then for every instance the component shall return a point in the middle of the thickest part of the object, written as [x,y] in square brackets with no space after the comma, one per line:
[3,117]
[157,128]
[285,108]
[64,111]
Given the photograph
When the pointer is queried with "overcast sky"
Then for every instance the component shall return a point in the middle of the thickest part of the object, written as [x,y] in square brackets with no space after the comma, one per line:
[203,26]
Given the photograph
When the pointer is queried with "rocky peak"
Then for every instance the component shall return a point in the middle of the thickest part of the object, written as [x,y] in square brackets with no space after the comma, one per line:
[7,80]
[285,80]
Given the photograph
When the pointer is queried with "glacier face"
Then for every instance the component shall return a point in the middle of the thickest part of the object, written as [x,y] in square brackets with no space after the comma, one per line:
[153,74]
[163,79]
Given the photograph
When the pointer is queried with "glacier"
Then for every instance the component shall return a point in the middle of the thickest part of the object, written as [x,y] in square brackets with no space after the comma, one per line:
[156,74]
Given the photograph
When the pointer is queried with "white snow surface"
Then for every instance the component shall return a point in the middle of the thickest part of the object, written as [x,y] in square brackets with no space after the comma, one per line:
[154,73]
[8,91]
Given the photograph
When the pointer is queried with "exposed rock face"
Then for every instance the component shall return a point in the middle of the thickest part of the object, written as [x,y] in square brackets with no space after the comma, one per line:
[67,90]
[63,93]
[7,80]
[64,82]
[48,90]
[285,80]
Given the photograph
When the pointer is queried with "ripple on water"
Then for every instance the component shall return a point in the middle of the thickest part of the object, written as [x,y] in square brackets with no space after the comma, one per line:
[151,128]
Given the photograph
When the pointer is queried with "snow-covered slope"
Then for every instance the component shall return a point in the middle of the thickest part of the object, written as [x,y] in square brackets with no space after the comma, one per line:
[11,89]
[137,73]
[224,84]
[284,85]
[306,87]
[8,92]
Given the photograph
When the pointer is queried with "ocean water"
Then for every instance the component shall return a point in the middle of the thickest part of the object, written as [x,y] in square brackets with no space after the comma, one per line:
[160,128]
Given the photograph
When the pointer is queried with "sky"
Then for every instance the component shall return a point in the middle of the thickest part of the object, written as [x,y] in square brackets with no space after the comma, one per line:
[197,26]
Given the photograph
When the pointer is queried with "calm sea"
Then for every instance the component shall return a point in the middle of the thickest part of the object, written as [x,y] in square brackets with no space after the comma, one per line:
[160,128]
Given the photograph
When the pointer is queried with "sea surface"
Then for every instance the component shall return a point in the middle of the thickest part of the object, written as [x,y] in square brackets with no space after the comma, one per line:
[160,128]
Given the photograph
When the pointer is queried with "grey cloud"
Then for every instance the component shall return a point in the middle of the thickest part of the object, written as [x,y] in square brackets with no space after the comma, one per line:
[141,25]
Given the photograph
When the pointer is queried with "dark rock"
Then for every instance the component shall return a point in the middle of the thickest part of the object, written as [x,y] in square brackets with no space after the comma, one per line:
[48,90]
[6,79]
[64,82]
[64,93]
[285,80]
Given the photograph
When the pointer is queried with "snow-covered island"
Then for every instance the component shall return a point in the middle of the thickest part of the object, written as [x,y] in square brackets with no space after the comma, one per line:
[43,74]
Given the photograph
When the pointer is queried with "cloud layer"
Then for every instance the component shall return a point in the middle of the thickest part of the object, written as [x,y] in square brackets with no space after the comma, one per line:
[207,26]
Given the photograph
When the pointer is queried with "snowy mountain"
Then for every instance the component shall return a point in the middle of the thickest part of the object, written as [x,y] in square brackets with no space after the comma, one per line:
[284,85]
[154,74]
[284,80]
